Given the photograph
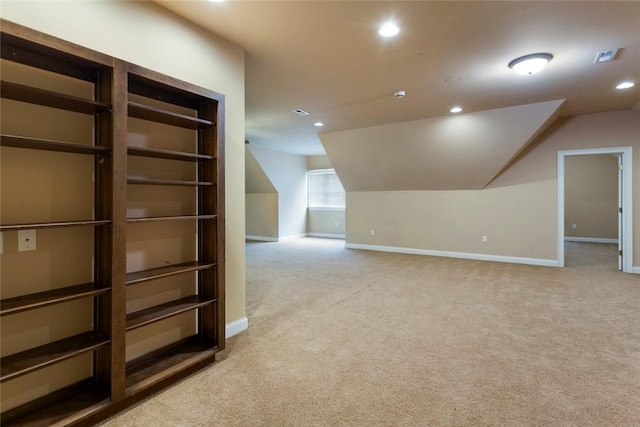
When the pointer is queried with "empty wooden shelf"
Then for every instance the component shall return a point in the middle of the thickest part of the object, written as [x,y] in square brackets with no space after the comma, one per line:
[28,226]
[167,154]
[54,296]
[19,92]
[45,144]
[167,117]
[166,310]
[168,270]
[28,361]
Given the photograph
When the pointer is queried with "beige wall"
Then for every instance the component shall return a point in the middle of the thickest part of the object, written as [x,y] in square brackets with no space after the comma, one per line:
[518,211]
[288,173]
[262,215]
[261,204]
[149,35]
[319,162]
[327,222]
[591,196]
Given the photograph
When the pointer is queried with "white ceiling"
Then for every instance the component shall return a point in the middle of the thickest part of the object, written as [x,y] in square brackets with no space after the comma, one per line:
[326,57]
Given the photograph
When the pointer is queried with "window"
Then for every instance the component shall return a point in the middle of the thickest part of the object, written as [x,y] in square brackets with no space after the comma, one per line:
[325,189]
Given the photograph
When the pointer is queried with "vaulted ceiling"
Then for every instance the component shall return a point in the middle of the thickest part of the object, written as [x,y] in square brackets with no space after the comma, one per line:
[327,58]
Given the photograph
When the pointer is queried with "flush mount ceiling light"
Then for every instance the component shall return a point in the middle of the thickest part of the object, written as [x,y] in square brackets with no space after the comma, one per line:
[456,109]
[625,85]
[318,124]
[388,29]
[530,64]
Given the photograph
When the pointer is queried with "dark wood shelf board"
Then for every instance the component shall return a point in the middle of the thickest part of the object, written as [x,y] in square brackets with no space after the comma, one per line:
[31,360]
[12,227]
[63,406]
[168,361]
[45,144]
[147,181]
[164,311]
[154,85]
[168,270]
[167,154]
[28,46]
[158,115]
[171,218]
[48,98]
[54,296]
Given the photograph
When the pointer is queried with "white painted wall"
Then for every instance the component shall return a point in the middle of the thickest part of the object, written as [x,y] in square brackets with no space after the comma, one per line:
[288,174]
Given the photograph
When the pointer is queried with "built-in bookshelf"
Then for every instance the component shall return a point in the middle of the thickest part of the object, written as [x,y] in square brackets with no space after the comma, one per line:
[105,96]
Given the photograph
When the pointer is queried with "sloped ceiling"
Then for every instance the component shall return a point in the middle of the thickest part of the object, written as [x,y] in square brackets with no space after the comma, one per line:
[326,57]
[446,153]
[256,180]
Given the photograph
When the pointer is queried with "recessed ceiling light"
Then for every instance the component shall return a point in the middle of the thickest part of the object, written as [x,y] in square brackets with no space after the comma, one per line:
[318,124]
[456,109]
[625,85]
[530,64]
[216,1]
[388,29]
[301,112]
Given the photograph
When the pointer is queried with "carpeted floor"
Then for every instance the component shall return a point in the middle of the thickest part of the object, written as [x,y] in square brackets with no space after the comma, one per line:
[342,337]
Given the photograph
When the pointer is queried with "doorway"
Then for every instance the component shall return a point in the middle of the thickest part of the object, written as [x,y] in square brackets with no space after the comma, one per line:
[625,203]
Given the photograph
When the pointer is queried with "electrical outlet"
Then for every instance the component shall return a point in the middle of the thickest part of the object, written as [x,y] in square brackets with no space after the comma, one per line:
[26,240]
[574,226]
[373,232]
[484,239]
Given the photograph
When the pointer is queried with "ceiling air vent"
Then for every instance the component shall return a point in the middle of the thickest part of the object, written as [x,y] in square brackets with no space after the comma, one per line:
[301,112]
[606,56]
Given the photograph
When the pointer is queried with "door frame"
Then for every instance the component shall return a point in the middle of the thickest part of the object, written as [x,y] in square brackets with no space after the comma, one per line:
[627,200]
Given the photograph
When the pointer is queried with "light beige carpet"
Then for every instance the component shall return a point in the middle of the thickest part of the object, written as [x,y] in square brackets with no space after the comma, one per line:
[342,337]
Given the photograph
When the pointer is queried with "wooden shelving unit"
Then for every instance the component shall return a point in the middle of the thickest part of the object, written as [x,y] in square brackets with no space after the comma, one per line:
[159,100]
[166,102]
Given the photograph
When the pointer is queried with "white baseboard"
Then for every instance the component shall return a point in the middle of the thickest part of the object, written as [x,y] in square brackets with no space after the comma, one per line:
[636,270]
[589,240]
[237,326]
[261,238]
[293,236]
[326,235]
[462,255]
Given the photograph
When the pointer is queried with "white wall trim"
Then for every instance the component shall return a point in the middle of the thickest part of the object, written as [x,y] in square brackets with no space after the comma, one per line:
[462,255]
[261,238]
[237,326]
[293,236]
[636,270]
[327,235]
[590,240]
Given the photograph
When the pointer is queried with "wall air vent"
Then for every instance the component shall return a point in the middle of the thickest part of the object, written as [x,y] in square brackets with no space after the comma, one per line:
[301,112]
[606,56]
